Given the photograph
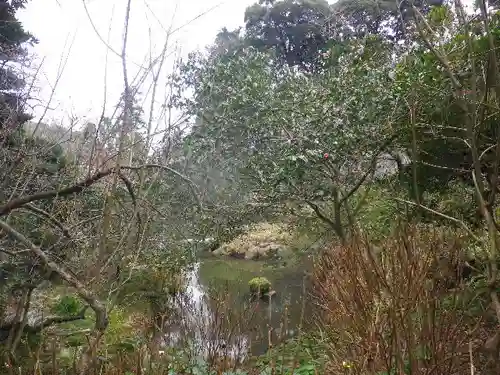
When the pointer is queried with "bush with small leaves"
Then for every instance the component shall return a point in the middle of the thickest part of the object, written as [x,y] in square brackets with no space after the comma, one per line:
[259,286]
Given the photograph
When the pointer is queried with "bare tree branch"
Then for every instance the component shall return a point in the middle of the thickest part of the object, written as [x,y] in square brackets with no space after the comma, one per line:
[77,188]
[371,169]
[80,186]
[451,218]
[50,218]
[192,185]
[47,322]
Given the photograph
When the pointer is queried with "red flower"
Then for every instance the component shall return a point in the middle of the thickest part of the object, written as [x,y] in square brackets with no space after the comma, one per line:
[325,155]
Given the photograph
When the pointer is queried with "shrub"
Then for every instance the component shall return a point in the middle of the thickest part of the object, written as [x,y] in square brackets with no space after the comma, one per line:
[249,244]
[68,305]
[377,211]
[259,286]
[386,310]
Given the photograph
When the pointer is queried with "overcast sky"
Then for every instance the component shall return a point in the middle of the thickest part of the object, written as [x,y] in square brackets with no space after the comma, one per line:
[65,32]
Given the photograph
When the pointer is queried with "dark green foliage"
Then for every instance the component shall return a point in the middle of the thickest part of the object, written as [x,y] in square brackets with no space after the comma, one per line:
[387,18]
[12,33]
[444,157]
[261,131]
[227,43]
[13,38]
[68,305]
[295,30]
[19,153]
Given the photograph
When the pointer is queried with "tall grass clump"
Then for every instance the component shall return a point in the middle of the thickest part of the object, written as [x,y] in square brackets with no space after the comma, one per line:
[407,306]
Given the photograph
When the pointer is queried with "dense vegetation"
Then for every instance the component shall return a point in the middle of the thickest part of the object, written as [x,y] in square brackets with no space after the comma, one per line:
[363,134]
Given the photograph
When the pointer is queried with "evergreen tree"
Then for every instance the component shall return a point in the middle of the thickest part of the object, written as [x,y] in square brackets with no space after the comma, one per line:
[13,42]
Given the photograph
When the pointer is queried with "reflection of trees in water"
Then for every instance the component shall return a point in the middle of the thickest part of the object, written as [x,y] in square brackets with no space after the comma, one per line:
[209,326]
[222,320]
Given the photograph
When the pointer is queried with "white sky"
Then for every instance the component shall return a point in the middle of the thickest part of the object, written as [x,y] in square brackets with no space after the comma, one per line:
[64,30]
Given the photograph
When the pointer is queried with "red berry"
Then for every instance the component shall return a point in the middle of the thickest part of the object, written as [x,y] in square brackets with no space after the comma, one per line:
[325,156]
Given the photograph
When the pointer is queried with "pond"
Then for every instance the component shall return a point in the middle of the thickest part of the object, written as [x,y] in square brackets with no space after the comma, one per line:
[219,315]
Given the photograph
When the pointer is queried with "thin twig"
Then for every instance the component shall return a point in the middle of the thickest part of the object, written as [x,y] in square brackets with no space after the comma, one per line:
[451,218]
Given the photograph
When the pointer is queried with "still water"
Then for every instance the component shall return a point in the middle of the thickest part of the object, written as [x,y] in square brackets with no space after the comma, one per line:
[218,316]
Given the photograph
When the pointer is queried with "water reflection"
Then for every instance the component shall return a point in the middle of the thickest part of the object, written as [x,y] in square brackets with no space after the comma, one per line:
[223,320]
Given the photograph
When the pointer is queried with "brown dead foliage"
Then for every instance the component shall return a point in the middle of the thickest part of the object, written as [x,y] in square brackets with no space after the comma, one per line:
[400,307]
